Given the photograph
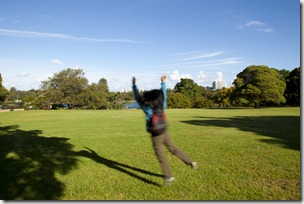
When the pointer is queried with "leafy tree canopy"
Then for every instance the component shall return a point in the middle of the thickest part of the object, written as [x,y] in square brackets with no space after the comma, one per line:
[293,83]
[187,87]
[3,91]
[258,84]
[178,100]
[66,86]
[96,95]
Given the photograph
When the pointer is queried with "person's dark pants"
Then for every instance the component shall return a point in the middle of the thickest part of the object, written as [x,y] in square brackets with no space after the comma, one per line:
[165,139]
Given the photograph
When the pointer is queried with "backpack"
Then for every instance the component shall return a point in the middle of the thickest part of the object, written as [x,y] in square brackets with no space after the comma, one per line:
[158,123]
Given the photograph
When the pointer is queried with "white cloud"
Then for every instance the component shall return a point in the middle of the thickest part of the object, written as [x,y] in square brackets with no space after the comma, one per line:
[205,63]
[77,66]
[202,55]
[222,62]
[23,74]
[56,61]
[266,30]
[34,34]
[219,76]
[201,77]
[254,22]
[176,76]
[259,25]
[44,78]
[199,59]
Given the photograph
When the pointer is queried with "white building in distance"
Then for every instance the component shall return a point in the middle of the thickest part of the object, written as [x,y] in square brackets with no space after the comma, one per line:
[218,85]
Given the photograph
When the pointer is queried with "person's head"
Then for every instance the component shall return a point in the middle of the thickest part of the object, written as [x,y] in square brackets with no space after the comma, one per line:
[154,98]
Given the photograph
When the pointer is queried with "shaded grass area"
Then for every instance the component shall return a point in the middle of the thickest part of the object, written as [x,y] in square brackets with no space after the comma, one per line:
[243,154]
[29,162]
[282,130]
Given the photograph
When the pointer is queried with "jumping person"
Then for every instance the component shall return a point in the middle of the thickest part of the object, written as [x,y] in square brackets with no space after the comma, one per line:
[150,101]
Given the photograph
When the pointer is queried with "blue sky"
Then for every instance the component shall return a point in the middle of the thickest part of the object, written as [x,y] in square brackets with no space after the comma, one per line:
[205,40]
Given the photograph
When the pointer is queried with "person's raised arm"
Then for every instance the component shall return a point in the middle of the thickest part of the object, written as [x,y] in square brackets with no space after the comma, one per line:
[136,92]
[163,87]
[163,78]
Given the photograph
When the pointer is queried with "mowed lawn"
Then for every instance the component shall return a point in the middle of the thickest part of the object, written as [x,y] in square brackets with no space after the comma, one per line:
[242,154]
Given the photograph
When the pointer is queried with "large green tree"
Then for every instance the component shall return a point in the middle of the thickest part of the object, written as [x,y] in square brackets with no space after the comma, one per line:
[67,86]
[258,84]
[188,88]
[283,73]
[116,100]
[222,96]
[25,96]
[3,91]
[202,102]
[293,83]
[178,100]
[96,95]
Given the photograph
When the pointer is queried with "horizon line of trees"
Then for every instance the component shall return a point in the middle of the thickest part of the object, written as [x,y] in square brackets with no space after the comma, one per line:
[255,86]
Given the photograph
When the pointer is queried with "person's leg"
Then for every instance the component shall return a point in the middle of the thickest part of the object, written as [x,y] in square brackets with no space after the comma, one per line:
[168,142]
[161,156]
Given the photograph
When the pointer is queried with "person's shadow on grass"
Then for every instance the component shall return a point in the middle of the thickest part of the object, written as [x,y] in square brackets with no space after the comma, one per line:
[118,166]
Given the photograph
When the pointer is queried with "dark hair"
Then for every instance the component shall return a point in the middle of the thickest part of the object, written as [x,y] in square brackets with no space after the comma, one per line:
[154,99]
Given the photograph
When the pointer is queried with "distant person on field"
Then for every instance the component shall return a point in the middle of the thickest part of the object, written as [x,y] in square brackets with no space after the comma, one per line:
[150,102]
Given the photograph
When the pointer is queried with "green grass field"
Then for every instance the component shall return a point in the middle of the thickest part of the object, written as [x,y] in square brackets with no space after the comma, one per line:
[242,154]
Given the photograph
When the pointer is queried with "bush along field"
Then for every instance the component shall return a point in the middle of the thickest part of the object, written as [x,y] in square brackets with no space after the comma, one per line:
[242,154]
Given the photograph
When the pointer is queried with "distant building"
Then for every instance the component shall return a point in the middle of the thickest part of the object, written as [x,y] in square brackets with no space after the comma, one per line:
[218,85]
[209,88]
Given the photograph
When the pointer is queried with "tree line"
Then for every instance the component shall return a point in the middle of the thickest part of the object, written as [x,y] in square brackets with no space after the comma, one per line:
[255,86]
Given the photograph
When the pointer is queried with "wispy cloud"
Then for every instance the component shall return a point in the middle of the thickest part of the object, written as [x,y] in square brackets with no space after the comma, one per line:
[233,60]
[201,56]
[56,61]
[195,55]
[266,30]
[258,25]
[255,23]
[212,63]
[219,62]
[34,34]
[22,74]
[203,63]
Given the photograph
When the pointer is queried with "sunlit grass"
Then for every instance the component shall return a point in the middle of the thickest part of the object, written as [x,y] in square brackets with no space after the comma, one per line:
[243,154]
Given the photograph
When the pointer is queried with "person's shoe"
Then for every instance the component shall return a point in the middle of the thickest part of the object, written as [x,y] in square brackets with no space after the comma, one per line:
[169,181]
[194,165]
